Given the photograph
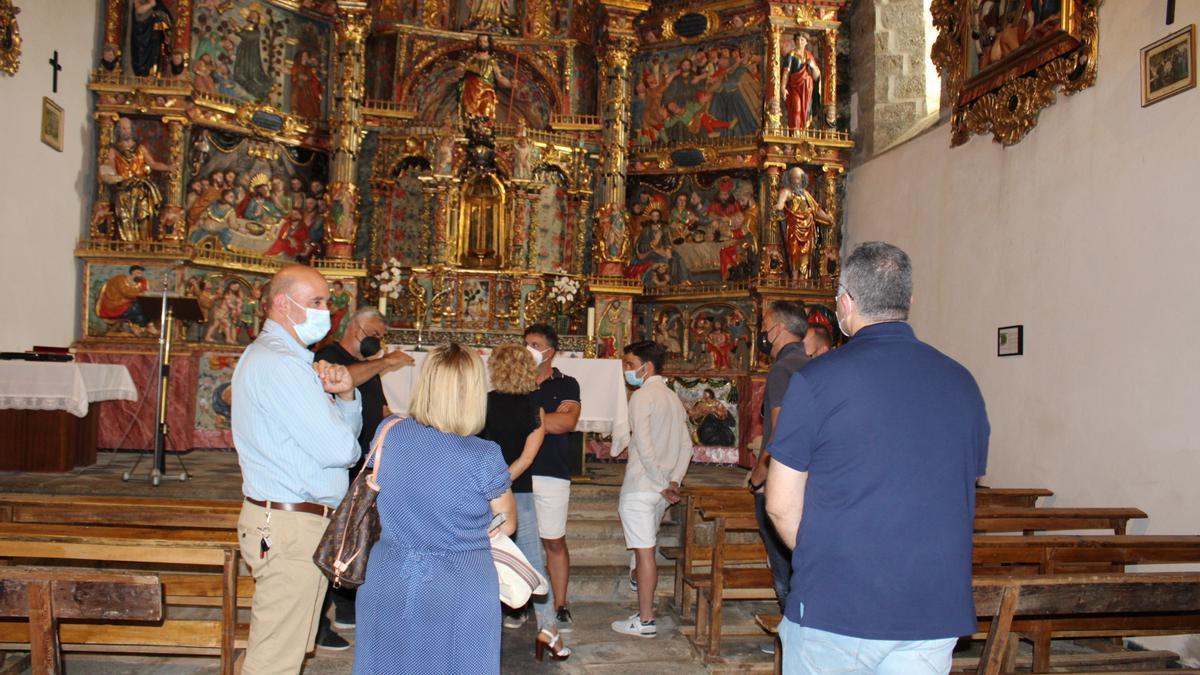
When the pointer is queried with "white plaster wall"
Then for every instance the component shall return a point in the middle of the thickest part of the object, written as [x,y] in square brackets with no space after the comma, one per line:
[1087,233]
[45,194]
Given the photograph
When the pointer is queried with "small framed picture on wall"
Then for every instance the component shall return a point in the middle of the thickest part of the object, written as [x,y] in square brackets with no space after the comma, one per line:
[1169,66]
[1010,341]
[52,124]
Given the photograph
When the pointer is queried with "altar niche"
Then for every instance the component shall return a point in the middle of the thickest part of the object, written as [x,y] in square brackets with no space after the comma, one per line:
[483,232]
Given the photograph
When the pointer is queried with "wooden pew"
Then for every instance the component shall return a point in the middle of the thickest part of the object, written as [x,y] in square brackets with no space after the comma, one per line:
[192,514]
[735,572]
[690,555]
[1051,554]
[43,595]
[986,497]
[158,546]
[1032,519]
[1069,606]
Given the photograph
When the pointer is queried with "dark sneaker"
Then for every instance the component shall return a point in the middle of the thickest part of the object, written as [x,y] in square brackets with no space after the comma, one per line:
[331,641]
[514,619]
[343,616]
[565,623]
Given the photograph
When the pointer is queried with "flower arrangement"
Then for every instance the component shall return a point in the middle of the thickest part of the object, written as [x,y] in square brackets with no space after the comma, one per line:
[564,291]
[390,282]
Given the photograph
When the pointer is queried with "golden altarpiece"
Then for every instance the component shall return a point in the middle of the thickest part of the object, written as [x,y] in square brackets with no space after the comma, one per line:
[621,169]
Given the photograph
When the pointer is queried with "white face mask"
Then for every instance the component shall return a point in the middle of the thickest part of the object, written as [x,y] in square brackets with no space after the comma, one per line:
[537,356]
[315,326]
[837,313]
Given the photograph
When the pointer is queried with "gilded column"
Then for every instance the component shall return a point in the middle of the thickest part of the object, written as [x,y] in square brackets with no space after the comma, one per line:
[522,192]
[774,89]
[831,81]
[171,222]
[830,255]
[353,21]
[101,225]
[771,263]
[114,25]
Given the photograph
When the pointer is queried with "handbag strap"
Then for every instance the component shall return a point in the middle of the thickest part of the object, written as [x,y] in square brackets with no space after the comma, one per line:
[377,446]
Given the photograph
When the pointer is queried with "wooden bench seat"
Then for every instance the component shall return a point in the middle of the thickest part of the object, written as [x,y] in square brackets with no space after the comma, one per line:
[735,572]
[1034,519]
[1050,554]
[159,546]
[200,514]
[1021,497]
[46,595]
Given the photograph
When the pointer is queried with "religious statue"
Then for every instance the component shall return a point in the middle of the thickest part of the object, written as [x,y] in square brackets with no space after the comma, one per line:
[216,220]
[801,214]
[117,302]
[109,57]
[152,23]
[489,15]
[522,154]
[306,85]
[225,315]
[248,70]
[714,425]
[444,164]
[477,88]
[136,199]
[719,344]
[800,77]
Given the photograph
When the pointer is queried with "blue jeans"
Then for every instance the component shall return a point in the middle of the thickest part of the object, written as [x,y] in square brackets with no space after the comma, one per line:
[808,651]
[530,543]
[779,556]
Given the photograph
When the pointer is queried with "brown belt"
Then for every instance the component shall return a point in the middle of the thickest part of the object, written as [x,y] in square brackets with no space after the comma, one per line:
[302,507]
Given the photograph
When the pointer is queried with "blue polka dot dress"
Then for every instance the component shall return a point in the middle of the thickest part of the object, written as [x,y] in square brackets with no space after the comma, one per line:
[430,601]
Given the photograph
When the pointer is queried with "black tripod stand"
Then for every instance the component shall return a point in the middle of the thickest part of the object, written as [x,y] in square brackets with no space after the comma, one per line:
[169,309]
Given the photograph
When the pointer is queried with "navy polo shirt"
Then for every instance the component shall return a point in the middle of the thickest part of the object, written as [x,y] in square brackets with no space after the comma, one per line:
[893,434]
[552,459]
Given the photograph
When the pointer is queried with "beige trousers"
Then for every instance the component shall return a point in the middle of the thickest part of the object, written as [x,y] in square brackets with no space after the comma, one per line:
[288,588]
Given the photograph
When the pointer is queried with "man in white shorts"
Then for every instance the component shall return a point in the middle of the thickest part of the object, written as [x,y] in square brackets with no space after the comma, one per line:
[660,450]
[558,395]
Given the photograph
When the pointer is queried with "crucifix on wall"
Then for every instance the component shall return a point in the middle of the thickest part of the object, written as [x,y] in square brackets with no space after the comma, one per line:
[56,68]
[1170,12]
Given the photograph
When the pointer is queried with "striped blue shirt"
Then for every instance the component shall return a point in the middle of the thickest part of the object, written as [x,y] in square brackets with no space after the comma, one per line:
[294,441]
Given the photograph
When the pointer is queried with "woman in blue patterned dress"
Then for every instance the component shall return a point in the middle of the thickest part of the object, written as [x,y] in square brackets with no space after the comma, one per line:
[429,604]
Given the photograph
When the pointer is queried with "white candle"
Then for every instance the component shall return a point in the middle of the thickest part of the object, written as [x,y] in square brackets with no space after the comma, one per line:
[591,322]
[383,304]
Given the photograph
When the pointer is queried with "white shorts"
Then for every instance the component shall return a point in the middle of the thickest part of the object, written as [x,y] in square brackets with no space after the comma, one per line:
[641,514]
[550,499]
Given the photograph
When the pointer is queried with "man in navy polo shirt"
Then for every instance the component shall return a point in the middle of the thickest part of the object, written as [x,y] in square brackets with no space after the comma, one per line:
[876,451]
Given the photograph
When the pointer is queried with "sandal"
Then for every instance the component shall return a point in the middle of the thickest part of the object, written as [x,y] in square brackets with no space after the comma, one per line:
[552,642]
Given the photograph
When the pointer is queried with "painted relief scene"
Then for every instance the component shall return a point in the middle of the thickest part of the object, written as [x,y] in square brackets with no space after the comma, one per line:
[255,198]
[693,228]
[230,305]
[214,395]
[399,211]
[691,94]
[254,51]
[481,84]
[711,405]
[113,289]
[1002,27]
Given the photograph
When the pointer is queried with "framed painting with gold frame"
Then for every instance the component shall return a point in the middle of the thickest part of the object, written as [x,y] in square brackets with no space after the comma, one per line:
[1169,66]
[52,124]
[1003,60]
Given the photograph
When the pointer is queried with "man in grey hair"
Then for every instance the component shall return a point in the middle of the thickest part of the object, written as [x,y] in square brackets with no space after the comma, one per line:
[362,351]
[876,453]
[784,325]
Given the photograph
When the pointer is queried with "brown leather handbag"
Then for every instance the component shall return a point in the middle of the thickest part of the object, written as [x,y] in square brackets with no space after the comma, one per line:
[354,526]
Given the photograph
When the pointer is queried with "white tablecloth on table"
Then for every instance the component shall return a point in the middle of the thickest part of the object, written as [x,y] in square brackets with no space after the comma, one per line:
[603,409]
[69,386]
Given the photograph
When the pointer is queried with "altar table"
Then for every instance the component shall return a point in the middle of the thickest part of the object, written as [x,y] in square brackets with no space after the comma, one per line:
[46,420]
[604,408]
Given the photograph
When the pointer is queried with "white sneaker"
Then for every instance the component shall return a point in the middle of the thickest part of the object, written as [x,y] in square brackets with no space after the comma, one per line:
[635,626]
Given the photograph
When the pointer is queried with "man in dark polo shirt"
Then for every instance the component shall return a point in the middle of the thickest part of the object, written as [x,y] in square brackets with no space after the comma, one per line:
[558,395]
[362,340]
[872,483]
[784,326]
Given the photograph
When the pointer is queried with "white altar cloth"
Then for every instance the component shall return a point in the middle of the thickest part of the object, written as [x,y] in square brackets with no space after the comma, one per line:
[69,386]
[604,408]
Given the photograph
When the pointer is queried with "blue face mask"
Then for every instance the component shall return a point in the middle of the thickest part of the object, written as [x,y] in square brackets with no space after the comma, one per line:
[315,326]
[632,377]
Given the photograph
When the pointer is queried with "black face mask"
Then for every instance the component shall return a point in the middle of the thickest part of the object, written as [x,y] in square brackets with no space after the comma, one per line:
[369,346]
[764,343]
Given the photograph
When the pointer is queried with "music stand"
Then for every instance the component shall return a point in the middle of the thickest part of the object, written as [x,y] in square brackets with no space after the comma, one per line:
[168,308]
